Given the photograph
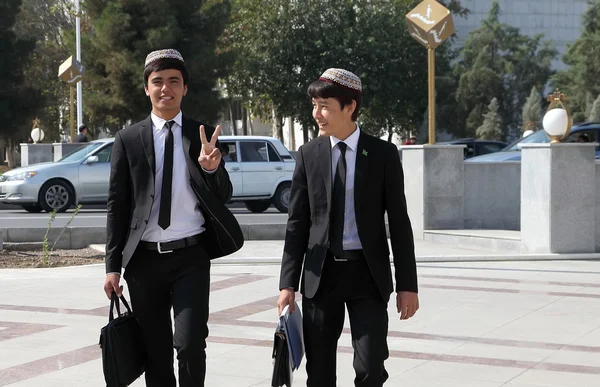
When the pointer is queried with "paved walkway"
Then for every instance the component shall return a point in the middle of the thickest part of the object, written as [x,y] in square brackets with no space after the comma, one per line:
[485,324]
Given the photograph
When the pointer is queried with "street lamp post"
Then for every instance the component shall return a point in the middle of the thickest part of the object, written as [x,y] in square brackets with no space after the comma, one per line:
[71,72]
[430,23]
[78,55]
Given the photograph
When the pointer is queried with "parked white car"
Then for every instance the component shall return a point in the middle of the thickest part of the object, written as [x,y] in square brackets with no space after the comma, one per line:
[260,168]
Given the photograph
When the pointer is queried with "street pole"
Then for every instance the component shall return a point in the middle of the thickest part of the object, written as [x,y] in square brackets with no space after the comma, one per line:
[72,113]
[78,43]
[431,92]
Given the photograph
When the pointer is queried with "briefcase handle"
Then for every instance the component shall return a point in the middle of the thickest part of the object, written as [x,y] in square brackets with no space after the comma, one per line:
[114,301]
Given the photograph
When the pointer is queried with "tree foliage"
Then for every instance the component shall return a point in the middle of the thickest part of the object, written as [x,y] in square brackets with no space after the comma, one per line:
[281,46]
[17,99]
[594,112]
[51,25]
[491,128]
[580,80]
[497,61]
[532,111]
[123,33]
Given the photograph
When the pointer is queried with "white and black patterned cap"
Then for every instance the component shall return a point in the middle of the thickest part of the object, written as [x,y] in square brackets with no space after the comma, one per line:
[342,77]
[161,54]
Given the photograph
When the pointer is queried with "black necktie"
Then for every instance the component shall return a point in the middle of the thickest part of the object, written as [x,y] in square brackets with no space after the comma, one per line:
[338,205]
[164,215]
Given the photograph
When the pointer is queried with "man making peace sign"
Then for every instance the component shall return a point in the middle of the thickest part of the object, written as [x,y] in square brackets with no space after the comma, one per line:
[166,220]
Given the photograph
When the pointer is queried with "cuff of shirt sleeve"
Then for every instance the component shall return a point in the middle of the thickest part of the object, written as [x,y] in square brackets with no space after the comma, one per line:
[207,171]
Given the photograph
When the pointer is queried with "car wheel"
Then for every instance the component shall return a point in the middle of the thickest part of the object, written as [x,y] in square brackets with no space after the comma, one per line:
[56,195]
[282,197]
[257,205]
[33,208]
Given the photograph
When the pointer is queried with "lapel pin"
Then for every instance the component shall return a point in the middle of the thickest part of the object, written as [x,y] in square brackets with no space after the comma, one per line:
[365,153]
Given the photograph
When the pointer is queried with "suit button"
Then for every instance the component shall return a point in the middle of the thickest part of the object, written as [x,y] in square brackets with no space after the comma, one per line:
[152,196]
[146,221]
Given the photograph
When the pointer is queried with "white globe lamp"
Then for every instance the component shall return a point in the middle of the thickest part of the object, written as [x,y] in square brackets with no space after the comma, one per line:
[37,135]
[557,121]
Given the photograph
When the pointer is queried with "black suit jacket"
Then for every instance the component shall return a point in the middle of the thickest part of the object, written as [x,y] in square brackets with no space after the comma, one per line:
[131,193]
[378,188]
[81,138]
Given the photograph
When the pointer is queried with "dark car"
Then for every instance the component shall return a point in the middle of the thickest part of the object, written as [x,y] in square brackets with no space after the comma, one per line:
[588,132]
[477,147]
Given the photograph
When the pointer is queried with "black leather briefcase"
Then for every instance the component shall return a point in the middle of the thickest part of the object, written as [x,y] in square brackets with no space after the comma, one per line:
[282,372]
[124,353]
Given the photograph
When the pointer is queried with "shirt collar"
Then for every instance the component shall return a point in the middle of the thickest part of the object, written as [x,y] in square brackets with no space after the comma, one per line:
[159,123]
[351,141]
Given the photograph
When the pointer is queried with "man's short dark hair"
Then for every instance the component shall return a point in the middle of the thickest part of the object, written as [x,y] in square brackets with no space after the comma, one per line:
[344,95]
[166,64]
[82,127]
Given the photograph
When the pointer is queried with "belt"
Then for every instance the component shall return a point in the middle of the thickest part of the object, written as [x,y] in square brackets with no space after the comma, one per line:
[167,247]
[349,255]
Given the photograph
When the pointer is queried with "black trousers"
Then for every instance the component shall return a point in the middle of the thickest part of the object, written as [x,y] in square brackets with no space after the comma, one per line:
[347,284]
[157,283]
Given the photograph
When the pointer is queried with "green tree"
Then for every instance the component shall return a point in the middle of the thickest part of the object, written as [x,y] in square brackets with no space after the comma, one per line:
[123,33]
[51,25]
[16,98]
[491,129]
[280,46]
[580,79]
[594,114]
[476,85]
[532,111]
[497,61]
[589,104]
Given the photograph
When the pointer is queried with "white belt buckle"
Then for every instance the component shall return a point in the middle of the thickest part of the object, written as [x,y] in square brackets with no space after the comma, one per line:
[160,250]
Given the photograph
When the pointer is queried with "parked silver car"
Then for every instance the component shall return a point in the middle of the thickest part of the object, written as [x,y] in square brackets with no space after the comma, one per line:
[260,169]
[79,177]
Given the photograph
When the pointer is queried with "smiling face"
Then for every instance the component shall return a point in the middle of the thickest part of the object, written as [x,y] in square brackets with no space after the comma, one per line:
[335,108]
[166,89]
[333,120]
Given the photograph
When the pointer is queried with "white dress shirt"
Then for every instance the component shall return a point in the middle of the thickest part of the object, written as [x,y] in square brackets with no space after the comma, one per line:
[350,240]
[186,216]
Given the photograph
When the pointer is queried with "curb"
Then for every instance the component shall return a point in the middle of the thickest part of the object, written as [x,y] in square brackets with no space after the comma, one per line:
[75,237]
[81,237]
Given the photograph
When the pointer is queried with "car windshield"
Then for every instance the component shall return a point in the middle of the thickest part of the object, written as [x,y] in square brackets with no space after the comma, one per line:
[538,137]
[82,153]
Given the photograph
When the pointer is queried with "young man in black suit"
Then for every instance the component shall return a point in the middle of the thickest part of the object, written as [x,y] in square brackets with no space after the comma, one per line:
[166,220]
[336,249]
[82,136]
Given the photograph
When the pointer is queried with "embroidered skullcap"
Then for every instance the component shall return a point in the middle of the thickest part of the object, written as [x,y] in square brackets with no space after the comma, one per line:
[342,77]
[162,54]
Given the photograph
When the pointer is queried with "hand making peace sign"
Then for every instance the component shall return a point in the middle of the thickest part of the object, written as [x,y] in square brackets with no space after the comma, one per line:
[210,155]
